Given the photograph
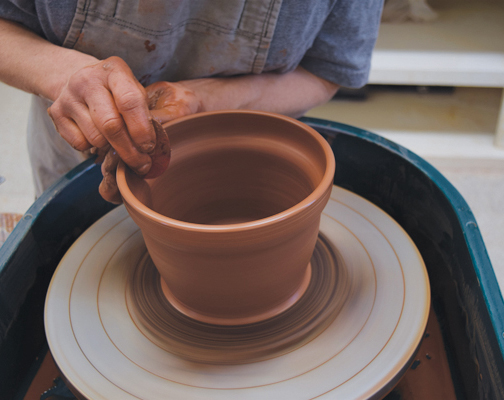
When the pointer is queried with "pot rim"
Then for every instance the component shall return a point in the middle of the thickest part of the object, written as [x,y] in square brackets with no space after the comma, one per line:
[326,182]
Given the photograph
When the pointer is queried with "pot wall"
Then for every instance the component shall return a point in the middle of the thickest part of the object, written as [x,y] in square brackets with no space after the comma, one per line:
[231,225]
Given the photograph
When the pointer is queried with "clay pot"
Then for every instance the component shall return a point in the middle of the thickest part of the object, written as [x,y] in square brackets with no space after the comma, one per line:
[232,223]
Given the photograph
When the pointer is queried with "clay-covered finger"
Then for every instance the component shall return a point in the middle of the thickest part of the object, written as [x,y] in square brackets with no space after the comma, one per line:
[161,154]
[108,189]
[110,123]
[100,153]
[171,111]
[110,162]
[168,101]
[158,93]
[131,101]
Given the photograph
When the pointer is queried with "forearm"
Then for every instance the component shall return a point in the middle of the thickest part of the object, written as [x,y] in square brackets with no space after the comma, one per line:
[35,65]
[291,94]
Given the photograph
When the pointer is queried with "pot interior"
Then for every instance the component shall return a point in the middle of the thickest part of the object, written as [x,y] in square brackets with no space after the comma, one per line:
[233,175]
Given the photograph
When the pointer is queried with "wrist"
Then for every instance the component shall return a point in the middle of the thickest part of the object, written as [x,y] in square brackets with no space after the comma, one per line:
[70,61]
[33,64]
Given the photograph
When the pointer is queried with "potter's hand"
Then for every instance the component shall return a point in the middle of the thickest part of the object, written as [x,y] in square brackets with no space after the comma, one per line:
[104,105]
[166,102]
[109,159]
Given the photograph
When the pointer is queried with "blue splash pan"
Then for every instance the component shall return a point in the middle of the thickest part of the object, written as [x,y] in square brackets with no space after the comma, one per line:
[465,294]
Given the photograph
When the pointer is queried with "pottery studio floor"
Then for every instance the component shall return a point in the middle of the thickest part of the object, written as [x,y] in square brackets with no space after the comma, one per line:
[425,125]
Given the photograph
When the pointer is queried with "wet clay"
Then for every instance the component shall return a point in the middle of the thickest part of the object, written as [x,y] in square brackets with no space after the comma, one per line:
[109,158]
[232,223]
[161,154]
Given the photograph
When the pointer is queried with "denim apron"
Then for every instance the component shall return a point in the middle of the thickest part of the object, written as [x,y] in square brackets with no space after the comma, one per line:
[161,40]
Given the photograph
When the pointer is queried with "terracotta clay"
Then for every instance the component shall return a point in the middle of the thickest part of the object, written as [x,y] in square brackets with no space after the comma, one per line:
[160,156]
[232,223]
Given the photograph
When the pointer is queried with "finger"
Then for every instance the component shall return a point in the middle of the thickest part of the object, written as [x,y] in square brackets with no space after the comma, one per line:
[158,93]
[170,112]
[68,130]
[161,154]
[110,161]
[108,189]
[82,118]
[168,101]
[100,153]
[73,109]
[131,102]
[111,125]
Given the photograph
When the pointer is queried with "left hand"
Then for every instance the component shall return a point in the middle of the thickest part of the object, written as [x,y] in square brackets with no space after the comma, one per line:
[168,101]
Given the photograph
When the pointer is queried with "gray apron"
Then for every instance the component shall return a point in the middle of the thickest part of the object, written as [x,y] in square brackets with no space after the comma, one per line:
[161,41]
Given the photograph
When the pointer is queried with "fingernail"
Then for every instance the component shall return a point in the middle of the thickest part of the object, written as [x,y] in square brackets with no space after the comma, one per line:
[147,147]
[144,169]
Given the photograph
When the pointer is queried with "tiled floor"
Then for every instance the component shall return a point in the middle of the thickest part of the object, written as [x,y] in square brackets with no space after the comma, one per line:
[480,181]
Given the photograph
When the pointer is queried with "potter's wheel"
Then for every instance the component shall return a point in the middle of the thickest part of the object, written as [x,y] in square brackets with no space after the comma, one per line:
[104,336]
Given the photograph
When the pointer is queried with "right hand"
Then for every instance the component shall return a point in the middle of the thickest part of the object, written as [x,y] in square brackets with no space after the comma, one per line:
[103,106]
[166,101]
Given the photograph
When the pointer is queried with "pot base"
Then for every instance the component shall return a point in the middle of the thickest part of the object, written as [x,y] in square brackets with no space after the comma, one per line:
[314,306]
[191,313]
